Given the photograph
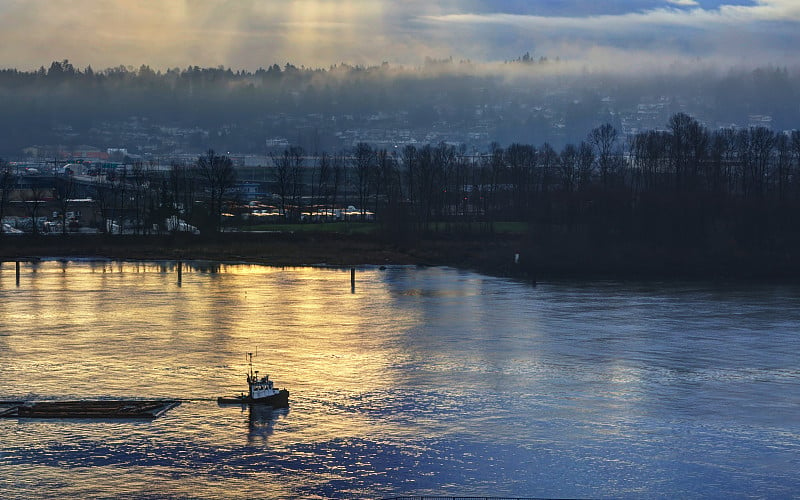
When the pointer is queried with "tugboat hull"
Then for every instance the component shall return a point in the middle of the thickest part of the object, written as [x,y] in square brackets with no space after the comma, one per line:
[280,400]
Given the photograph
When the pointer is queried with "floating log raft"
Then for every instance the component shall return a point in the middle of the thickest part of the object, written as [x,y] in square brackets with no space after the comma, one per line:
[118,408]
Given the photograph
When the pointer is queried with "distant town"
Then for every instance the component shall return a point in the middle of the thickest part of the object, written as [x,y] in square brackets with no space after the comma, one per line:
[68,113]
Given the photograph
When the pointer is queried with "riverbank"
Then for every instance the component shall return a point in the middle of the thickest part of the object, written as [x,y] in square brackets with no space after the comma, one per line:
[499,255]
[277,249]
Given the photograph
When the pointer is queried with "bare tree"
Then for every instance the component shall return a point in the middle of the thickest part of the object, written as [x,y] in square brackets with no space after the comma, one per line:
[424,174]
[585,165]
[103,194]
[64,193]
[338,177]
[119,191]
[522,162]
[568,167]
[729,159]
[220,177]
[762,142]
[139,187]
[7,181]
[718,146]
[604,140]
[548,162]
[444,159]
[410,158]
[744,155]
[491,176]
[795,147]
[321,182]
[288,175]
[364,165]
[687,150]
[296,181]
[386,185]
[181,192]
[783,165]
[34,198]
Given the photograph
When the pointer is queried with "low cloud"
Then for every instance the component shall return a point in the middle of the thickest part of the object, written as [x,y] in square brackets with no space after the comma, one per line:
[758,33]
[256,33]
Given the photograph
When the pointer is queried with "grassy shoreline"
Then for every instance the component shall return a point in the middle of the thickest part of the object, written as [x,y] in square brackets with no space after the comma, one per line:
[489,254]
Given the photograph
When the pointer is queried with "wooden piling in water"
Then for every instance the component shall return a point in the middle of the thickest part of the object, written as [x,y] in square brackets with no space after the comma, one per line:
[353,279]
[180,272]
[17,273]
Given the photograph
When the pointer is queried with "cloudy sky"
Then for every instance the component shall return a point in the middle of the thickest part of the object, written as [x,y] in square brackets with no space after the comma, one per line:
[249,34]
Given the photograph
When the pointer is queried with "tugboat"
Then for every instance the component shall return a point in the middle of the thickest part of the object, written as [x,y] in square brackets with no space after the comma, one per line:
[261,391]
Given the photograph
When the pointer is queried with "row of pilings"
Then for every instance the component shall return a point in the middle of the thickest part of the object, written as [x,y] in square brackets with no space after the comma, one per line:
[179,271]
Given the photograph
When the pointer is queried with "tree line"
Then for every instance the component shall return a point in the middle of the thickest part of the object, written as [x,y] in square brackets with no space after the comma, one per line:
[681,187]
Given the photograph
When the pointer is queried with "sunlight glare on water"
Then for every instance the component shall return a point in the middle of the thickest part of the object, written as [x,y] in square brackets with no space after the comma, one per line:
[421,381]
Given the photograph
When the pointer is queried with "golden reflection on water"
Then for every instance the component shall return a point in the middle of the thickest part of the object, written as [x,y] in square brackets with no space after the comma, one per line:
[122,329]
[131,329]
[422,381]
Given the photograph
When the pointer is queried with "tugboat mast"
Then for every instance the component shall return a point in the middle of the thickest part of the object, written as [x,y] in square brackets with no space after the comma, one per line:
[261,390]
[251,376]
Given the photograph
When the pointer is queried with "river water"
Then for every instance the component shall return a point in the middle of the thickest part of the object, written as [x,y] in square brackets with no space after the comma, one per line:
[420,381]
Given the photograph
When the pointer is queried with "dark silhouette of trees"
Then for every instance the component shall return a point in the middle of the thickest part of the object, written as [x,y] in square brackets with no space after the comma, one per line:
[7,182]
[102,194]
[321,184]
[689,141]
[287,174]
[363,164]
[219,177]
[181,189]
[604,140]
[585,165]
[762,145]
[34,198]
[783,168]
[139,190]
[522,162]
[568,168]
[387,187]
[684,190]
[281,172]
[120,190]
[339,165]
[64,193]
[428,170]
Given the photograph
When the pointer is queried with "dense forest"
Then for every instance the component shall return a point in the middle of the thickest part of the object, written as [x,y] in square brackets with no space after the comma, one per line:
[523,101]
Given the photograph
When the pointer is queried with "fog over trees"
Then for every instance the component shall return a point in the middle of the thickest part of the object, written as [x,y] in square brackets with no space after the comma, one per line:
[528,100]
[697,162]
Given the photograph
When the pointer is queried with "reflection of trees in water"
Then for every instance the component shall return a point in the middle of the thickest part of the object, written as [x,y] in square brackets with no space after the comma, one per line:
[204,266]
[261,422]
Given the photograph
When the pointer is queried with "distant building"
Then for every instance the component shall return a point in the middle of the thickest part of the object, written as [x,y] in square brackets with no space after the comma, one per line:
[83,152]
[759,121]
[250,190]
